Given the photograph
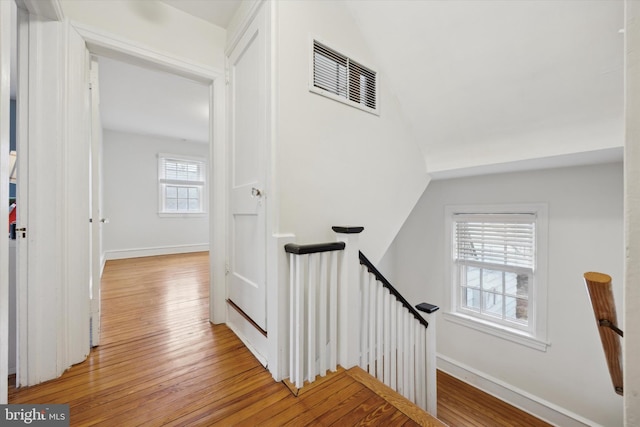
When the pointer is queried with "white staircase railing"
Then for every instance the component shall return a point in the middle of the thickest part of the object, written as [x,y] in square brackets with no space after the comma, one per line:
[343,311]
[397,344]
[313,311]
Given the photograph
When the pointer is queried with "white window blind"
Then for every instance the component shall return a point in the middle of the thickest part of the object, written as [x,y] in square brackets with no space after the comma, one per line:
[495,262]
[507,240]
[341,76]
[181,184]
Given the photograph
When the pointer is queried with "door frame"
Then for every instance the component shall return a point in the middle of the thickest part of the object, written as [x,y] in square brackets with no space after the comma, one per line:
[105,44]
[95,201]
[5,58]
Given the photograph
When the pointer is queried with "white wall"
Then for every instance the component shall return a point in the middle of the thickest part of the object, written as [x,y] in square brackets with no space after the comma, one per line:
[154,24]
[585,234]
[335,164]
[131,198]
[632,219]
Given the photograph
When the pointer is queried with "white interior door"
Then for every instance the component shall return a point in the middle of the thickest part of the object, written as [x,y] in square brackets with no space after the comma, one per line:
[78,193]
[96,203]
[248,139]
[53,200]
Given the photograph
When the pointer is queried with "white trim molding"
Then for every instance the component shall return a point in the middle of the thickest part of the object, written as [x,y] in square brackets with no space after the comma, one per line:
[536,336]
[514,396]
[104,43]
[161,250]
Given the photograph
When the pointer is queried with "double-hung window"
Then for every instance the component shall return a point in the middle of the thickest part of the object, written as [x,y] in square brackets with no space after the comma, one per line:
[496,283]
[182,182]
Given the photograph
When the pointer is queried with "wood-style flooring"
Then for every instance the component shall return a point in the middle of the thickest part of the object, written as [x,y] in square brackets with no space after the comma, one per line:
[160,362]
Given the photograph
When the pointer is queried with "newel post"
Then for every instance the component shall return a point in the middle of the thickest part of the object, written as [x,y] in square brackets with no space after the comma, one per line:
[349,296]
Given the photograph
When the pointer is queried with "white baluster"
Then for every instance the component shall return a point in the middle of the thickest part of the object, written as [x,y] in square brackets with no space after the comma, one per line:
[387,338]
[323,288]
[301,262]
[311,316]
[411,395]
[400,355]
[422,368]
[292,318]
[393,347]
[364,331]
[406,368]
[379,331]
[372,324]
[333,313]
[432,388]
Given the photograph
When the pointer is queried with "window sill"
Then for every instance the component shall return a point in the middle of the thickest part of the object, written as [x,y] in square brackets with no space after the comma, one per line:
[499,331]
[182,214]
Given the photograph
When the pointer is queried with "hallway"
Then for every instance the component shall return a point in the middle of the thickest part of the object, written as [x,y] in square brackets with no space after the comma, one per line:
[162,363]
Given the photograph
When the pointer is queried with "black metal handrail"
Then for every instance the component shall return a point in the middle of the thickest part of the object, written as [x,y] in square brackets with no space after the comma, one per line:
[364,261]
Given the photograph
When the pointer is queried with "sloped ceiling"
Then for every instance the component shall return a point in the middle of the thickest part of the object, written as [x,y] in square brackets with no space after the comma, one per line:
[487,73]
[217,12]
[484,82]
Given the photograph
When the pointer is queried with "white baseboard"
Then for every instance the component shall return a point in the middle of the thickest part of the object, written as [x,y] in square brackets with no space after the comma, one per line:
[103,262]
[534,405]
[163,250]
[249,335]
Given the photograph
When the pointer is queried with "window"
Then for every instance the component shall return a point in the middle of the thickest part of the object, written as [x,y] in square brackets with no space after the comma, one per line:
[339,77]
[496,282]
[182,184]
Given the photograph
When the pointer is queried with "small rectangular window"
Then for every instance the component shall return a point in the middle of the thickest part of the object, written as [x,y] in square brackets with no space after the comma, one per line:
[497,277]
[339,77]
[181,184]
[495,257]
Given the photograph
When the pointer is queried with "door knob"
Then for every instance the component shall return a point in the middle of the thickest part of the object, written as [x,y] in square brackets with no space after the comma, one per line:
[255,192]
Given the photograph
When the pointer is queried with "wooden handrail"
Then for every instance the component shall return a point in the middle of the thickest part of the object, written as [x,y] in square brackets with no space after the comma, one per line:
[604,309]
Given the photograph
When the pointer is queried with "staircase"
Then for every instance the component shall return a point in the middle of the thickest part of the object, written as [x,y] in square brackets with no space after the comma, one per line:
[342,311]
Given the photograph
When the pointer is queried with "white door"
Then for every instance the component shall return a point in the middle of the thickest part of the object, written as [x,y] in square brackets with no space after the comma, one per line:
[53,200]
[78,192]
[248,140]
[96,204]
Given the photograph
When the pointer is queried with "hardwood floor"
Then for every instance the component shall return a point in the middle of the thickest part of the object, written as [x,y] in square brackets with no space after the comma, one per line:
[462,405]
[161,362]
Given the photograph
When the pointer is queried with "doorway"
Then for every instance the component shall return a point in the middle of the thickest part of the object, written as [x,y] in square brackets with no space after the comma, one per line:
[214,86]
[154,161]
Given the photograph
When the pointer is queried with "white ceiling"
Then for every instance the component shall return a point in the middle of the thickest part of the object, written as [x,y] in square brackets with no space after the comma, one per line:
[464,72]
[467,72]
[218,12]
[138,100]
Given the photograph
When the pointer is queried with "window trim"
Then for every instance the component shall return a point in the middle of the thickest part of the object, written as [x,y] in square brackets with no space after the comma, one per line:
[161,181]
[536,336]
[319,91]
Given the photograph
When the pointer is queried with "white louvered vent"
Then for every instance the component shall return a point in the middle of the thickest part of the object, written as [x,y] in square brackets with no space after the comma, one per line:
[340,78]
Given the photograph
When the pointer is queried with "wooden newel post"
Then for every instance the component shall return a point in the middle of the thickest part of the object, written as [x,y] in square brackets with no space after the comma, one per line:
[604,309]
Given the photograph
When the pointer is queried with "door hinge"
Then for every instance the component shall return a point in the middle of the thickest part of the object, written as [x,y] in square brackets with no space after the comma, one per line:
[227,269]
